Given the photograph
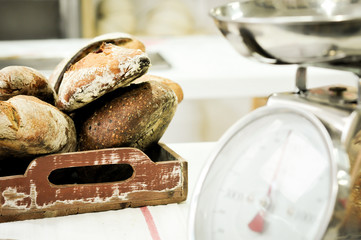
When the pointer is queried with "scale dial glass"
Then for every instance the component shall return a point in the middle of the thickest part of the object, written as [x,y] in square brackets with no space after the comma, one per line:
[273,177]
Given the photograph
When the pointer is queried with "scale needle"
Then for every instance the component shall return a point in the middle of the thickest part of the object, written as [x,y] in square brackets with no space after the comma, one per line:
[257,222]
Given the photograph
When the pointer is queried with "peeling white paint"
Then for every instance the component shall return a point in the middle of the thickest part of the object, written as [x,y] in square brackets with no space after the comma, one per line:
[57,192]
[33,194]
[110,158]
[12,197]
[33,164]
[177,170]
[96,199]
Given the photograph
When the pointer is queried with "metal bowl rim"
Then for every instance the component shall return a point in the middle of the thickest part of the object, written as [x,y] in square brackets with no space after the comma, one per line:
[316,19]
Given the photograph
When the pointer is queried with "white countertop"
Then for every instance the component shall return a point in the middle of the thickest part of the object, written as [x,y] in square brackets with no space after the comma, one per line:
[170,221]
[206,66]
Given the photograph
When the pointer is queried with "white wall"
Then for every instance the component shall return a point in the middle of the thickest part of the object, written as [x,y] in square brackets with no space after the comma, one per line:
[199,120]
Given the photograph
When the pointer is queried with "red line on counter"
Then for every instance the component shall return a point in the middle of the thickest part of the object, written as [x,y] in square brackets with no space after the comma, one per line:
[150,222]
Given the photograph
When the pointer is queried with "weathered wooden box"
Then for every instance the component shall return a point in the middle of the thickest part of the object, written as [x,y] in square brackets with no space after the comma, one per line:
[80,182]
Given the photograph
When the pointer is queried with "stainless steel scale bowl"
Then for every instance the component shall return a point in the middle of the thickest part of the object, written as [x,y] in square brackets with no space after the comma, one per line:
[291,169]
[291,31]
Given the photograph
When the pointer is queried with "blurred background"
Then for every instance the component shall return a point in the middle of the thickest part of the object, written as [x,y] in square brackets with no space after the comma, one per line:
[164,25]
[38,19]
[219,85]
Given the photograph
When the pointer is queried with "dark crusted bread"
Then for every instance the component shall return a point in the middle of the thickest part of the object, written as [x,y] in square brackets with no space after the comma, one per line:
[133,116]
[177,89]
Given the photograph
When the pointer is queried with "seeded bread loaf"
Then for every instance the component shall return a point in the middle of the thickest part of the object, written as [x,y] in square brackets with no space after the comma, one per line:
[133,116]
[21,80]
[30,127]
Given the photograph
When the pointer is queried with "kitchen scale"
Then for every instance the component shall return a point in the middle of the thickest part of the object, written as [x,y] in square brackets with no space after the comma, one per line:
[290,169]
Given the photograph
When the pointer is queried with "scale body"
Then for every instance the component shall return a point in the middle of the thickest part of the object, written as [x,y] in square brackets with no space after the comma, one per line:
[291,169]
[335,106]
[334,112]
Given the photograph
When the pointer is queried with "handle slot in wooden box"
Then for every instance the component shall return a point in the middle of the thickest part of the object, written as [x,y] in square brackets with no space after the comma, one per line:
[158,177]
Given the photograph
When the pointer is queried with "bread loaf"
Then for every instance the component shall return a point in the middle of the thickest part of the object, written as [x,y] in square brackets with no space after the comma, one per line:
[98,73]
[116,38]
[30,127]
[173,85]
[21,80]
[133,116]
[351,224]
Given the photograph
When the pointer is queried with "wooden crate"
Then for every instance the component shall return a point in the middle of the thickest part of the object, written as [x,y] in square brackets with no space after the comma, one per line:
[105,179]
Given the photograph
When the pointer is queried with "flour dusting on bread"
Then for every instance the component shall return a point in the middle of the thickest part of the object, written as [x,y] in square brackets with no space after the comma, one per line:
[100,72]
[29,126]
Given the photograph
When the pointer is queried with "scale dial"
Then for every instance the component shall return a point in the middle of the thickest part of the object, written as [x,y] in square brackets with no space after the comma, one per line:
[272,177]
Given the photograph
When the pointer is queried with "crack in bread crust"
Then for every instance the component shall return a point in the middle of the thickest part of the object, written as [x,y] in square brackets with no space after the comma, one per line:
[100,72]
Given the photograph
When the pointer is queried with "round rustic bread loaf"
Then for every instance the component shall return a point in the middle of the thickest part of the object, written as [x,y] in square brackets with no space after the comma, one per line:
[30,127]
[133,116]
[21,80]
[98,73]
[177,89]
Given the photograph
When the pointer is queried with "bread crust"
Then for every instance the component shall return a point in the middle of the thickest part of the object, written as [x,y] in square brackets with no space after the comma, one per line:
[98,73]
[134,116]
[116,38]
[31,127]
[21,80]
[177,89]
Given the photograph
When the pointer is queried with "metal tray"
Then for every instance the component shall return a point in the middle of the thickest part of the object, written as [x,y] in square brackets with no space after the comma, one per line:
[293,32]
